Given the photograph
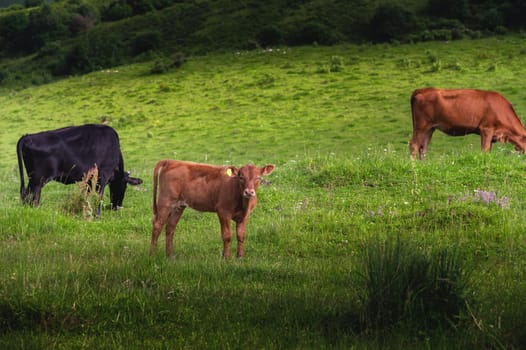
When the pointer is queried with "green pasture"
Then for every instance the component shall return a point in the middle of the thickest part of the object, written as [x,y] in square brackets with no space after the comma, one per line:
[344,195]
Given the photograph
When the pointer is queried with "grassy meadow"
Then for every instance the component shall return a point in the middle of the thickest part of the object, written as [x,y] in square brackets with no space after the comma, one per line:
[345,205]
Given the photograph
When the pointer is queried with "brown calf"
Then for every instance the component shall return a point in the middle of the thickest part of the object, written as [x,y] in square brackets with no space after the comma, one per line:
[460,112]
[226,190]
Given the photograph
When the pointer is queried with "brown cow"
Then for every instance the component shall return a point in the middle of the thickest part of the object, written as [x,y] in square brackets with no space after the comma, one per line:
[460,112]
[226,190]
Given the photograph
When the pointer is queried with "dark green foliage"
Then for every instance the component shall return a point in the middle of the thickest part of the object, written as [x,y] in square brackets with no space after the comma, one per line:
[13,23]
[116,10]
[164,64]
[515,13]
[203,26]
[95,51]
[391,22]
[12,28]
[311,33]
[146,41]
[33,3]
[492,18]
[46,23]
[455,9]
[3,75]
[84,16]
[269,36]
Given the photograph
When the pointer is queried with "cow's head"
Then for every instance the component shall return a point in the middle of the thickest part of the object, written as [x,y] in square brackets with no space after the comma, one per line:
[249,176]
[118,188]
[520,146]
[519,142]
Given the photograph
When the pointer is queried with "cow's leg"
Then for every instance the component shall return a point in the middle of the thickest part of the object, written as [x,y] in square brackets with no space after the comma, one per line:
[100,193]
[414,146]
[425,144]
[240,235]
[486,136]
[226,234]
[419,143]
[158,221]
[32,196]
[173,219]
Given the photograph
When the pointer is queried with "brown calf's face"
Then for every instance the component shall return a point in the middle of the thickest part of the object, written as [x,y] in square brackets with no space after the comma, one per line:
[249,176]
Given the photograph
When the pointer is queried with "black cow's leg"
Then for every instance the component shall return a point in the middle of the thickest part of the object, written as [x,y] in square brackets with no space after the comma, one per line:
[32,195]
[101,195]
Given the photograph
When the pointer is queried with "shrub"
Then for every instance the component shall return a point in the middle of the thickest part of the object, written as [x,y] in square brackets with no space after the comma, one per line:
[160,65]
[403,284]
[336,64]
[94,50]
[178,59]
[86,202]
[163,64]
[146,41]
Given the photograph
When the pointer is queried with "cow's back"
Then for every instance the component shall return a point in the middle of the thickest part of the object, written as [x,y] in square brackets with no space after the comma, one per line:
[461,111]
[67,153]
[200,186]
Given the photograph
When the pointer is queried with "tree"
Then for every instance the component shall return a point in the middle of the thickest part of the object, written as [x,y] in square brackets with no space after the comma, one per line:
[391,21]
[33,3]
[453,9]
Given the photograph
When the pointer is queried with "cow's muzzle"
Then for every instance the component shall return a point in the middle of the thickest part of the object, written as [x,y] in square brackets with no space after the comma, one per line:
[249,193]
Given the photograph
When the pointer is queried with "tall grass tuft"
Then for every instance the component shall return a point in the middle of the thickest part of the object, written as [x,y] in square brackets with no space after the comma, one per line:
[86,202]
[404,285]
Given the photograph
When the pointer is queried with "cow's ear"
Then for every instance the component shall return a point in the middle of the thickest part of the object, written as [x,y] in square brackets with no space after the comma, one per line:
[267,169]
[134,181]
[231,171]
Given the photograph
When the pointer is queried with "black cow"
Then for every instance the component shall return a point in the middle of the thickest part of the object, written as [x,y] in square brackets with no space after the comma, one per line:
[67,154]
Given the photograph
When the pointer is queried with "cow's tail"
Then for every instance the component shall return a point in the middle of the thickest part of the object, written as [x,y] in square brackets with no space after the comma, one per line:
[156,175]
[121,163]
[21,167]
[413,99]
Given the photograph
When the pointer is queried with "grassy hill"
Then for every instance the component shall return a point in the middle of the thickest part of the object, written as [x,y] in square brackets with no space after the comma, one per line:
[40,44]
[344,196]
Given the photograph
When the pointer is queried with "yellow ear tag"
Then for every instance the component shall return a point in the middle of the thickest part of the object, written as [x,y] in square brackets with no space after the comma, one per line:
[229,172]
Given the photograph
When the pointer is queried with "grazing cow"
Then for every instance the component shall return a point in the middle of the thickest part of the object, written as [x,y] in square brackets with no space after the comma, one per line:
[460,112]
[226,190]
[66,154]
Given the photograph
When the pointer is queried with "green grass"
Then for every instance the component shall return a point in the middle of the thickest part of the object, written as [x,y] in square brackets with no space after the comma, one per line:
[343,182]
